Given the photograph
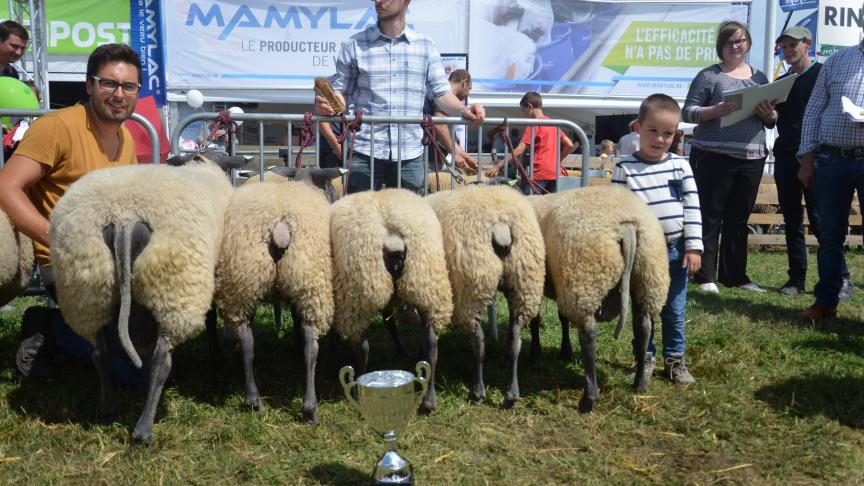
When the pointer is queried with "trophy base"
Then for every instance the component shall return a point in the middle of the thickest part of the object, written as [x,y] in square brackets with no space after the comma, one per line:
[392,469]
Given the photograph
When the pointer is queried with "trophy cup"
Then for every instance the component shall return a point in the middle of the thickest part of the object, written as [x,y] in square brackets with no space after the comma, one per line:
[387,401]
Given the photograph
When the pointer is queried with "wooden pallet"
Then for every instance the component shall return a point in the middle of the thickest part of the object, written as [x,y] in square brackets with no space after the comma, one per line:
[766,222]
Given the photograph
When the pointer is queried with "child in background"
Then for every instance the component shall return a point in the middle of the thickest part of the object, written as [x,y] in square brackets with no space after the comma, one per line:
[544,143]
[607,149]
[665,181]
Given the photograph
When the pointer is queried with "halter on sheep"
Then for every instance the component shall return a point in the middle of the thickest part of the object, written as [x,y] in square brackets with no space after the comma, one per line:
[503,134]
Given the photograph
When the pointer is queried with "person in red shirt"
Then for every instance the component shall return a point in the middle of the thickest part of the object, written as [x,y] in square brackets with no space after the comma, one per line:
[544,146]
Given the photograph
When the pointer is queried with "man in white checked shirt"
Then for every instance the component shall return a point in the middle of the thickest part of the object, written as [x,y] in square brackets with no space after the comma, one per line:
[387,70]
[832,162]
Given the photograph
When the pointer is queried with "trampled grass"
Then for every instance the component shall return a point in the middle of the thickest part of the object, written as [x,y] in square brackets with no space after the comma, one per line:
[778,400]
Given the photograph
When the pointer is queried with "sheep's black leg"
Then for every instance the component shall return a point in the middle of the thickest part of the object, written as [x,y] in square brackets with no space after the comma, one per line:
[478,390]
[215,349]
[310,356]
[160,367]
[588,341]
[390,323]
[297,328]
[534,354]
[429,350]
[102,360]
[566,347]
[247,346]
[278,321]
[514,340]
[493,321]
[641,329]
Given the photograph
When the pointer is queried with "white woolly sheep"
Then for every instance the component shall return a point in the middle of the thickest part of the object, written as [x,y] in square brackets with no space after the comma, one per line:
[598,238]
[491,240]
[16,260]
[387,247]
[276,248]
[144,239]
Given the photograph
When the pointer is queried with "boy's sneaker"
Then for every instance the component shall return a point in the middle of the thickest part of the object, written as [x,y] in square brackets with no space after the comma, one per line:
[675,368]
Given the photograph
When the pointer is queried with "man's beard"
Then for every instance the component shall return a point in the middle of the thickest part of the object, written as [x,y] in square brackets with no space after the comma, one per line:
[103,111]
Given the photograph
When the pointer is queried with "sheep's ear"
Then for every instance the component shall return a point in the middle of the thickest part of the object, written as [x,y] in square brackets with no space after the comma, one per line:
[287,172]
[499,181]
[179,160]
[322,177]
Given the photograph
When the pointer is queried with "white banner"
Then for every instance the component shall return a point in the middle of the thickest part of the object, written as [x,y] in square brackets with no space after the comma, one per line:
[278,44]
[593,48]
[839,25]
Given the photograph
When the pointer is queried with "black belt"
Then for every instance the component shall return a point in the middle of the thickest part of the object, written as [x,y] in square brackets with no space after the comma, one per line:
[847,153]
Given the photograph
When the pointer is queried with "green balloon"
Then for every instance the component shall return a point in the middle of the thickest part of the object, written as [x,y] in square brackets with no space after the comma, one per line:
[16,95]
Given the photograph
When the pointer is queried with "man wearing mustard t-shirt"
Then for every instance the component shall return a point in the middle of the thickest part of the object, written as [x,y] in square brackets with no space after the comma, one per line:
[58,149]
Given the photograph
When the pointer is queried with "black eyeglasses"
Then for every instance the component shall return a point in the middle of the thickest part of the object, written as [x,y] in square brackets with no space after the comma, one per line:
[736,43]
[111,85]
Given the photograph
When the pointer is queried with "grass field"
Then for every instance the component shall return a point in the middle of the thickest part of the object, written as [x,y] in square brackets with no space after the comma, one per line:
[777,401]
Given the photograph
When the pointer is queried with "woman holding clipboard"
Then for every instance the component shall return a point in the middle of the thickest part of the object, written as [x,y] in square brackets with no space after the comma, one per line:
[727,161]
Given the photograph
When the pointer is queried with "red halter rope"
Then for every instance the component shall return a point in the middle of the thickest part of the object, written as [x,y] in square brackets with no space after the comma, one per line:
[430,138]
[223,121]
[503,133]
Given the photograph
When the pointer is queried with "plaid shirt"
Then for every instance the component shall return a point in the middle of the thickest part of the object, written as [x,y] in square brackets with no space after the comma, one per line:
[386,76]
[824,120]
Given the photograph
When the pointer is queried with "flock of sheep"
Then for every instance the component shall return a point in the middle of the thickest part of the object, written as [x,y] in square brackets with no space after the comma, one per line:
[145,251]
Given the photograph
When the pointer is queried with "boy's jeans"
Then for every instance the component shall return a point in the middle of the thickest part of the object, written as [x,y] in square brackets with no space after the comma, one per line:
[673,314]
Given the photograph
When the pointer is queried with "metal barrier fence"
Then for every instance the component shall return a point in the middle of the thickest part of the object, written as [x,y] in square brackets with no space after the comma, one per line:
[291,119]
[154,138]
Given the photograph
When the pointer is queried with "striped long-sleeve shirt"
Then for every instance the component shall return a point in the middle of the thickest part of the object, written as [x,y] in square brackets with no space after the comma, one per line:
[669,189]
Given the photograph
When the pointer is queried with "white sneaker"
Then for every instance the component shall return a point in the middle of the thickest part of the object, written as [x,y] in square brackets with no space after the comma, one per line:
[709,287]
[752,287]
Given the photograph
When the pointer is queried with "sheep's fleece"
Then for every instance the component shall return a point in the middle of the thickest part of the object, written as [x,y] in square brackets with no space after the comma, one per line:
[247,273]
[362,286]
[173,277]
[582,231]
[467,217]
[16,260]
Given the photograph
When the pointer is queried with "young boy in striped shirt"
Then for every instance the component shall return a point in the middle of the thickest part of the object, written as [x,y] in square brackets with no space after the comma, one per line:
[665,182]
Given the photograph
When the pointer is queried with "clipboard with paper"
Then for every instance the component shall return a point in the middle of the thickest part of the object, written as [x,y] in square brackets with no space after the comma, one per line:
[746,99]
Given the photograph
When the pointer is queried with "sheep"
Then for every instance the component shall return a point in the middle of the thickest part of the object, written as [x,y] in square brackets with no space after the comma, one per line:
[491,240]
[276,248]
[16,260]
[598,238]
[387,247]
[144,239]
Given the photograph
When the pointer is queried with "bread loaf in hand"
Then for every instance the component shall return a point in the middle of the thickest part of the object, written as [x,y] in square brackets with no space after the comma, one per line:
[323,88]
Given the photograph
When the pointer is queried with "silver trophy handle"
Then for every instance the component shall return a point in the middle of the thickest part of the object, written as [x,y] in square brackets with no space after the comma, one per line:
[424,371]
[346,377]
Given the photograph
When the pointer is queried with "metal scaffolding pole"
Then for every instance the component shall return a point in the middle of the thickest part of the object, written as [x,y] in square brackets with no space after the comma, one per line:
[31,14]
